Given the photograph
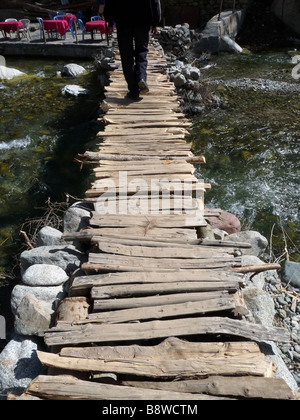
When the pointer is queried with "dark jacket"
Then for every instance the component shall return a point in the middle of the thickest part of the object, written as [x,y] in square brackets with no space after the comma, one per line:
[137,12]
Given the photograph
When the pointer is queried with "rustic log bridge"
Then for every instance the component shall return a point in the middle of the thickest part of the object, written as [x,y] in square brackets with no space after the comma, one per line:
[150,279]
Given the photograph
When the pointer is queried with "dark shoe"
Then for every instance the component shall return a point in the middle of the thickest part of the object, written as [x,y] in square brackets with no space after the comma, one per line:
[133,96]
[143,86]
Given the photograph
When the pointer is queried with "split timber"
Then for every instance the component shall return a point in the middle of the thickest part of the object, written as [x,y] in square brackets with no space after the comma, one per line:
[156,309]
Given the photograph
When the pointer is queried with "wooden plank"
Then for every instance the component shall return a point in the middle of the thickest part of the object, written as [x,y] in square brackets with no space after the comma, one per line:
[64,387]
[192,247]
[161,329]
[247,387]
[211,280]
[134,142]
[162,368]
[178,235]
[148,124]
[204,276]
[171,348]
[133,146]
[128,119]
[164,203]
[159,165]
[108,262]
[139,171]
[98,156]
[156,251]
[117,291]
[139,186]
[217,300]
[147,222]
[223,303]
[184,182]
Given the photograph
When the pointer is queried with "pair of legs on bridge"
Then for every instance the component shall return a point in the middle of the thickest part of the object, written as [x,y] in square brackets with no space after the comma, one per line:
[133,46]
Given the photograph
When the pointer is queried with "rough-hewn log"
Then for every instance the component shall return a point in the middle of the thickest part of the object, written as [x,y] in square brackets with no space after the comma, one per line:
[162,329]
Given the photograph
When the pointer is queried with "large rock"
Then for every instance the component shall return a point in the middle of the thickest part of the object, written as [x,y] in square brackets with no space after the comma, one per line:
[179,80]
[260,303]
[257,241]
[44,275]
[33,317]
[49,295]
[7,73]
[72,70]
[49,236]
[74,90]
[226,221]
[77,217]
[19,364]
[69,258]
[291,273]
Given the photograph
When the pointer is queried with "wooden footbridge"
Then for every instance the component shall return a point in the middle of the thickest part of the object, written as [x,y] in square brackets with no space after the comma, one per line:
[156,313]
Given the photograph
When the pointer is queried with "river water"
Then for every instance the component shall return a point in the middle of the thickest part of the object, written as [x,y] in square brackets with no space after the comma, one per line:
[41,132]
[251,144]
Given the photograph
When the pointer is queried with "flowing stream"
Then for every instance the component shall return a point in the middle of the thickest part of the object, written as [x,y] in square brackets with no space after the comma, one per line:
[252,145]
[41,132]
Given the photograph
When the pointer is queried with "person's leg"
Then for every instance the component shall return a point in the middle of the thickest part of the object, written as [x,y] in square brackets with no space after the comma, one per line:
[141,37]
[126,48]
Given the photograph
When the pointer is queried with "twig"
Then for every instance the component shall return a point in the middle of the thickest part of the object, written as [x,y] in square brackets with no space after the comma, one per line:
[29,244]
[285,242]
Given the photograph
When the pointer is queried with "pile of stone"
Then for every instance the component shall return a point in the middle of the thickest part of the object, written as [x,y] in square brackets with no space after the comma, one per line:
[285,291]
[272,298]
[183,67]
[46,271]
[176,40]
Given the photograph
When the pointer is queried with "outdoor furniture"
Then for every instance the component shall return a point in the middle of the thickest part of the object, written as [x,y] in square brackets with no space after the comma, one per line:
[70,19]
[58,25]
[81,27]
[40,20]
[96,25]
[25,28]
[11,25]
[93,18]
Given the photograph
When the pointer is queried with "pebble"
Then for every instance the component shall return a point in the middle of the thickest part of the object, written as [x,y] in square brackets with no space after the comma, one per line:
[289,317]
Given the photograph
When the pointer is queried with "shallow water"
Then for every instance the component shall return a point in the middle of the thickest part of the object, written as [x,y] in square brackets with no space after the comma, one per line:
[252,145]
[41,132]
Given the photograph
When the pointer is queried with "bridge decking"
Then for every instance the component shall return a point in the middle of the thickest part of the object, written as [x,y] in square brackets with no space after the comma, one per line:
[158,308]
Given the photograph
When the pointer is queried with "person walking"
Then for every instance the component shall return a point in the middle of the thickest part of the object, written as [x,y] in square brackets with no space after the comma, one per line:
[134,20]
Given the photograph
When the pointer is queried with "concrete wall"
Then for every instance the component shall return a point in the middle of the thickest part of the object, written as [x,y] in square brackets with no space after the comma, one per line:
[195,12]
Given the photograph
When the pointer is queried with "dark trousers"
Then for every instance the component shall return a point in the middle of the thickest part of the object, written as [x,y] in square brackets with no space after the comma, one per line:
[133,46]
